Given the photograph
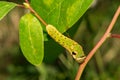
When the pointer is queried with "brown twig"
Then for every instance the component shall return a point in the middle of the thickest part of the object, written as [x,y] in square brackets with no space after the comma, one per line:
[92,52]
[115,35]
[27,5]
[27,1]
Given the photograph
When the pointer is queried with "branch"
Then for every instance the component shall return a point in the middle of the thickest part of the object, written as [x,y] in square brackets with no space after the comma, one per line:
[27,1]
[27,5]
[92,52]
[115,35]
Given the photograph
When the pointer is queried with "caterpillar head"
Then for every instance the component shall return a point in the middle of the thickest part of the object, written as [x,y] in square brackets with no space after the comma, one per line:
[78,58]
[77,53]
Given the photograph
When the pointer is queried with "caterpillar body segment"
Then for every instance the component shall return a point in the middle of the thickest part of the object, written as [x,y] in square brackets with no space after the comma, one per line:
[70,45]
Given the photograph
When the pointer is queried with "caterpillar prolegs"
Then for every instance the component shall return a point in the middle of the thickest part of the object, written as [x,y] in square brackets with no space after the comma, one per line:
[70,45]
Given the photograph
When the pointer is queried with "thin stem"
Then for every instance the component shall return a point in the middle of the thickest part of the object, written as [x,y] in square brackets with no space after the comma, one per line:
[115,35]
[92,52]
[27,1]
[31,9]
[27,5]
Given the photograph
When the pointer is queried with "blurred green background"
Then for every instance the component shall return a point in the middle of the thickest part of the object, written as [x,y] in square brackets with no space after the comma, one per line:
[59,65]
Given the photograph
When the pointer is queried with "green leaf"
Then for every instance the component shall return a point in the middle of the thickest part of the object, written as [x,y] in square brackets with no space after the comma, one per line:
[61,13]
[31,39]
[5,7]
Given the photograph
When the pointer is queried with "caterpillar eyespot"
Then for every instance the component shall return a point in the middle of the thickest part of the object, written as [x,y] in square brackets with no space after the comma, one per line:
[70,45]
[73,53]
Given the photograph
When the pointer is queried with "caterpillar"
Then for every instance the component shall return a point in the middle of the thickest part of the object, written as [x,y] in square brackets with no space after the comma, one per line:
[70,45]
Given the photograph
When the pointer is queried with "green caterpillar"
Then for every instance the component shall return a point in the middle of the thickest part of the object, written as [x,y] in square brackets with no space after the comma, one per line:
[70,45]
